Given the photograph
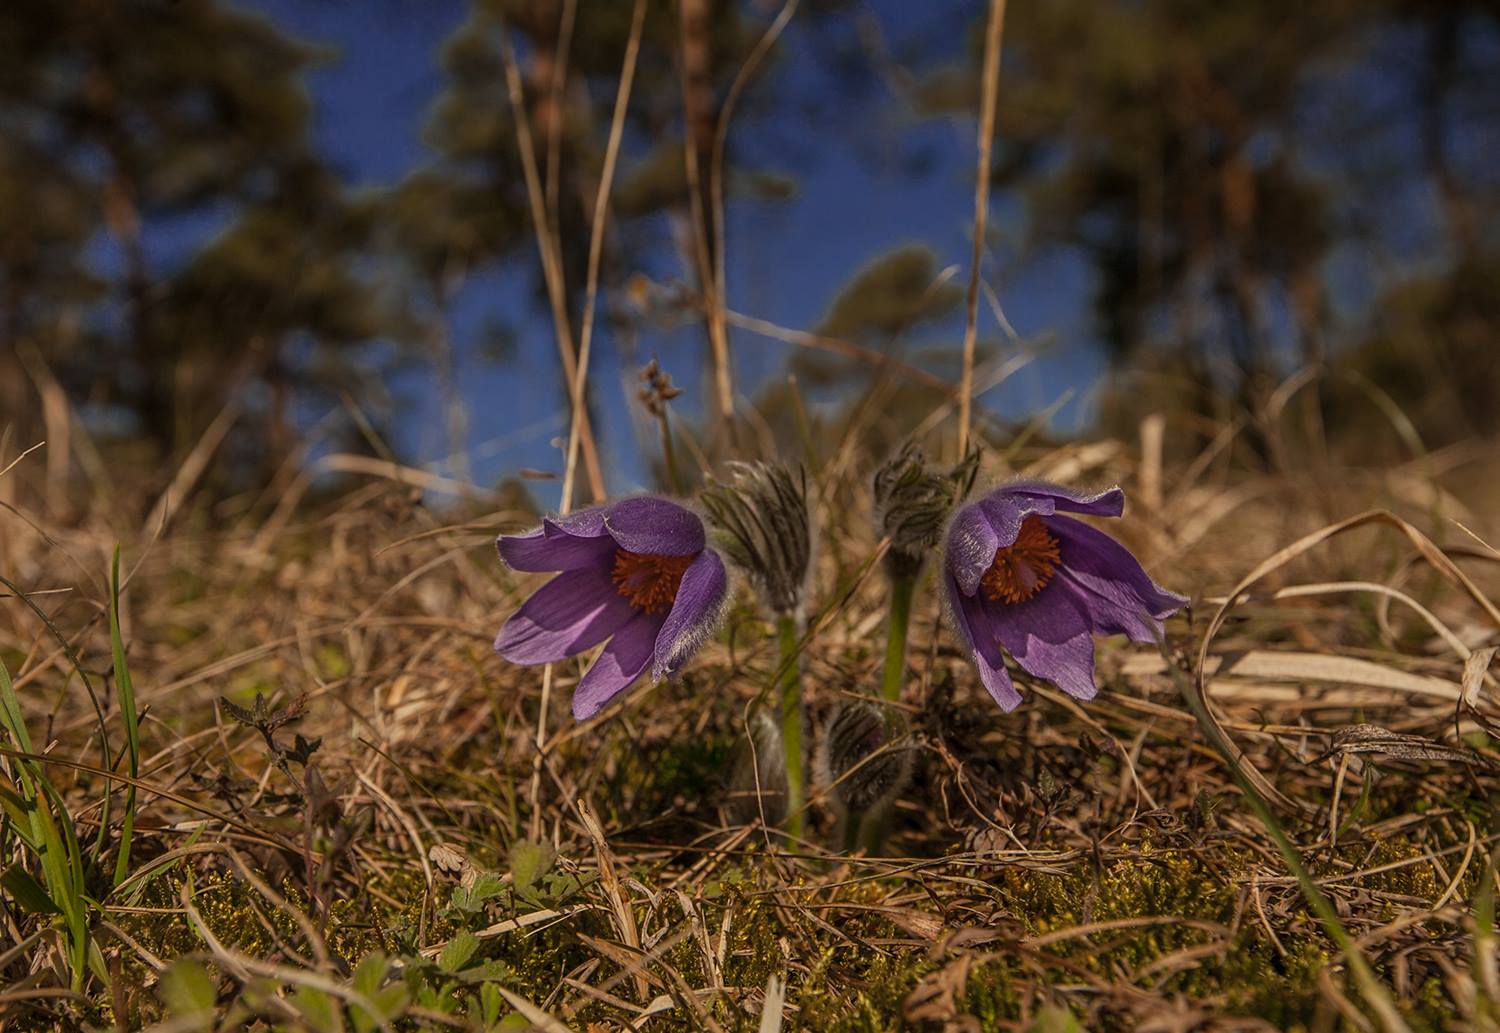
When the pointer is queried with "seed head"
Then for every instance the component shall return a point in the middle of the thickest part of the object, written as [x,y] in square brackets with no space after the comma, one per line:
[658,389]
[761,518]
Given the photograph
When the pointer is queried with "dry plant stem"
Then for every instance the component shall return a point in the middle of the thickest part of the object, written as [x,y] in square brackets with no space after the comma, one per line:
[566,23]
[596,247]
[721,137]
[717,303]
[547,247]
[668,453]
[694,23]
[838,346]
[989,86]
[789,687]
[1484,963]
[1370,987]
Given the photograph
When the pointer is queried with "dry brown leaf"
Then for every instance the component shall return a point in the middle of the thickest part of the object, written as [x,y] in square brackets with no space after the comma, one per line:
[1373,739]
[1475,669]
[935,998]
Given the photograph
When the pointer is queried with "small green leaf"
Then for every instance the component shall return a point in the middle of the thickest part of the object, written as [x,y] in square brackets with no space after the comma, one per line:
[472,899]
[529,861]
[392,1001]
[317,1008]
[370,973]
[188,992]
[1053,1019]
[388,1002]
[490,1003]
[458,951]
[493,971]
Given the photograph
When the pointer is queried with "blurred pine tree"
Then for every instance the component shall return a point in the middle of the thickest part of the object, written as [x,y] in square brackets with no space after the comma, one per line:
[125,121]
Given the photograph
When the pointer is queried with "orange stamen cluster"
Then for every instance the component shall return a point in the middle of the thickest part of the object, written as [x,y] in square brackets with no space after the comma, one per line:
[649,580]
[1023,568]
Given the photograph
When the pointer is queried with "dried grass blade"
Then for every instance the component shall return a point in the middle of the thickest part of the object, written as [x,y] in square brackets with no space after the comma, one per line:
[771,1013]
[1429,551]
[1374,992]
[1475,669]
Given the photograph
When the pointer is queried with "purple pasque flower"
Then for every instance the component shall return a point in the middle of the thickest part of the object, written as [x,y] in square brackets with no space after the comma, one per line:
[637,572]
[1024,578]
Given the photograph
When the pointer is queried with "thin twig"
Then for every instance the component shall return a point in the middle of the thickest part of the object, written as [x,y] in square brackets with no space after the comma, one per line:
[596,246]
[548,248]
[989,84]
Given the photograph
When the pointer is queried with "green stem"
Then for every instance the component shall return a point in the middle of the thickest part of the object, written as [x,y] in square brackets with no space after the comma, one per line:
[894,677]
[790,691]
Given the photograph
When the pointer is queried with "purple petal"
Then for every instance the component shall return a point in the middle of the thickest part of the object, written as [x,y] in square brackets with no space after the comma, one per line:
[972,541]
[655,525]
[974,627]
[573,612]
[1120,597]
[585,523]
[699,602]
[545,549]
[1107,503]
[622,662]
[1051,636]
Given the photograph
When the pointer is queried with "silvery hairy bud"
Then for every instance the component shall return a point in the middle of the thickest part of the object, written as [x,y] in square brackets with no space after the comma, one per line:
[757,782]
[761,519]
[912,502]
[866,756]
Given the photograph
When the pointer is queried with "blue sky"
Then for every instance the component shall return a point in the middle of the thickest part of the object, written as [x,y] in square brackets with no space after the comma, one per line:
[855,200]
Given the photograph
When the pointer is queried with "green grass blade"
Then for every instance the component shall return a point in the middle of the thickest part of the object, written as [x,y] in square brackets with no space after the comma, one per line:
[126,691]
[10,713]
[62,871]
[88,684]
[27,892]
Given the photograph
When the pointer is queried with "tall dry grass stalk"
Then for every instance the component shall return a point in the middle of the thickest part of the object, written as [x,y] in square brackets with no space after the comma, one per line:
[549,251]
[989,85]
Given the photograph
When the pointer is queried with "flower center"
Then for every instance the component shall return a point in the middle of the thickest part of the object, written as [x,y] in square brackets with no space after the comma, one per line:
[1021,569]
[649,580]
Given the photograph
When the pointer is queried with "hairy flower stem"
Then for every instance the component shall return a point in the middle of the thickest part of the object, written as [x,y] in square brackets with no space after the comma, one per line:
[791,722]
[867,829]
[894,677]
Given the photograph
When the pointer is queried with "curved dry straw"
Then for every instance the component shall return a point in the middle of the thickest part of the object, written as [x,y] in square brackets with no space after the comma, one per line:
[1200,700]
[1258,789]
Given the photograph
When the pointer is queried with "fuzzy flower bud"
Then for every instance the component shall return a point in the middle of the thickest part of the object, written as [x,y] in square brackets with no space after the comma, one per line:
[757,782]
[912,502]
[761,519]
[865,757]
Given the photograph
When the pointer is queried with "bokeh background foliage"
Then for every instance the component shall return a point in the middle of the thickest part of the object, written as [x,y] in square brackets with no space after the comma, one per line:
[291,292]
[204,209]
